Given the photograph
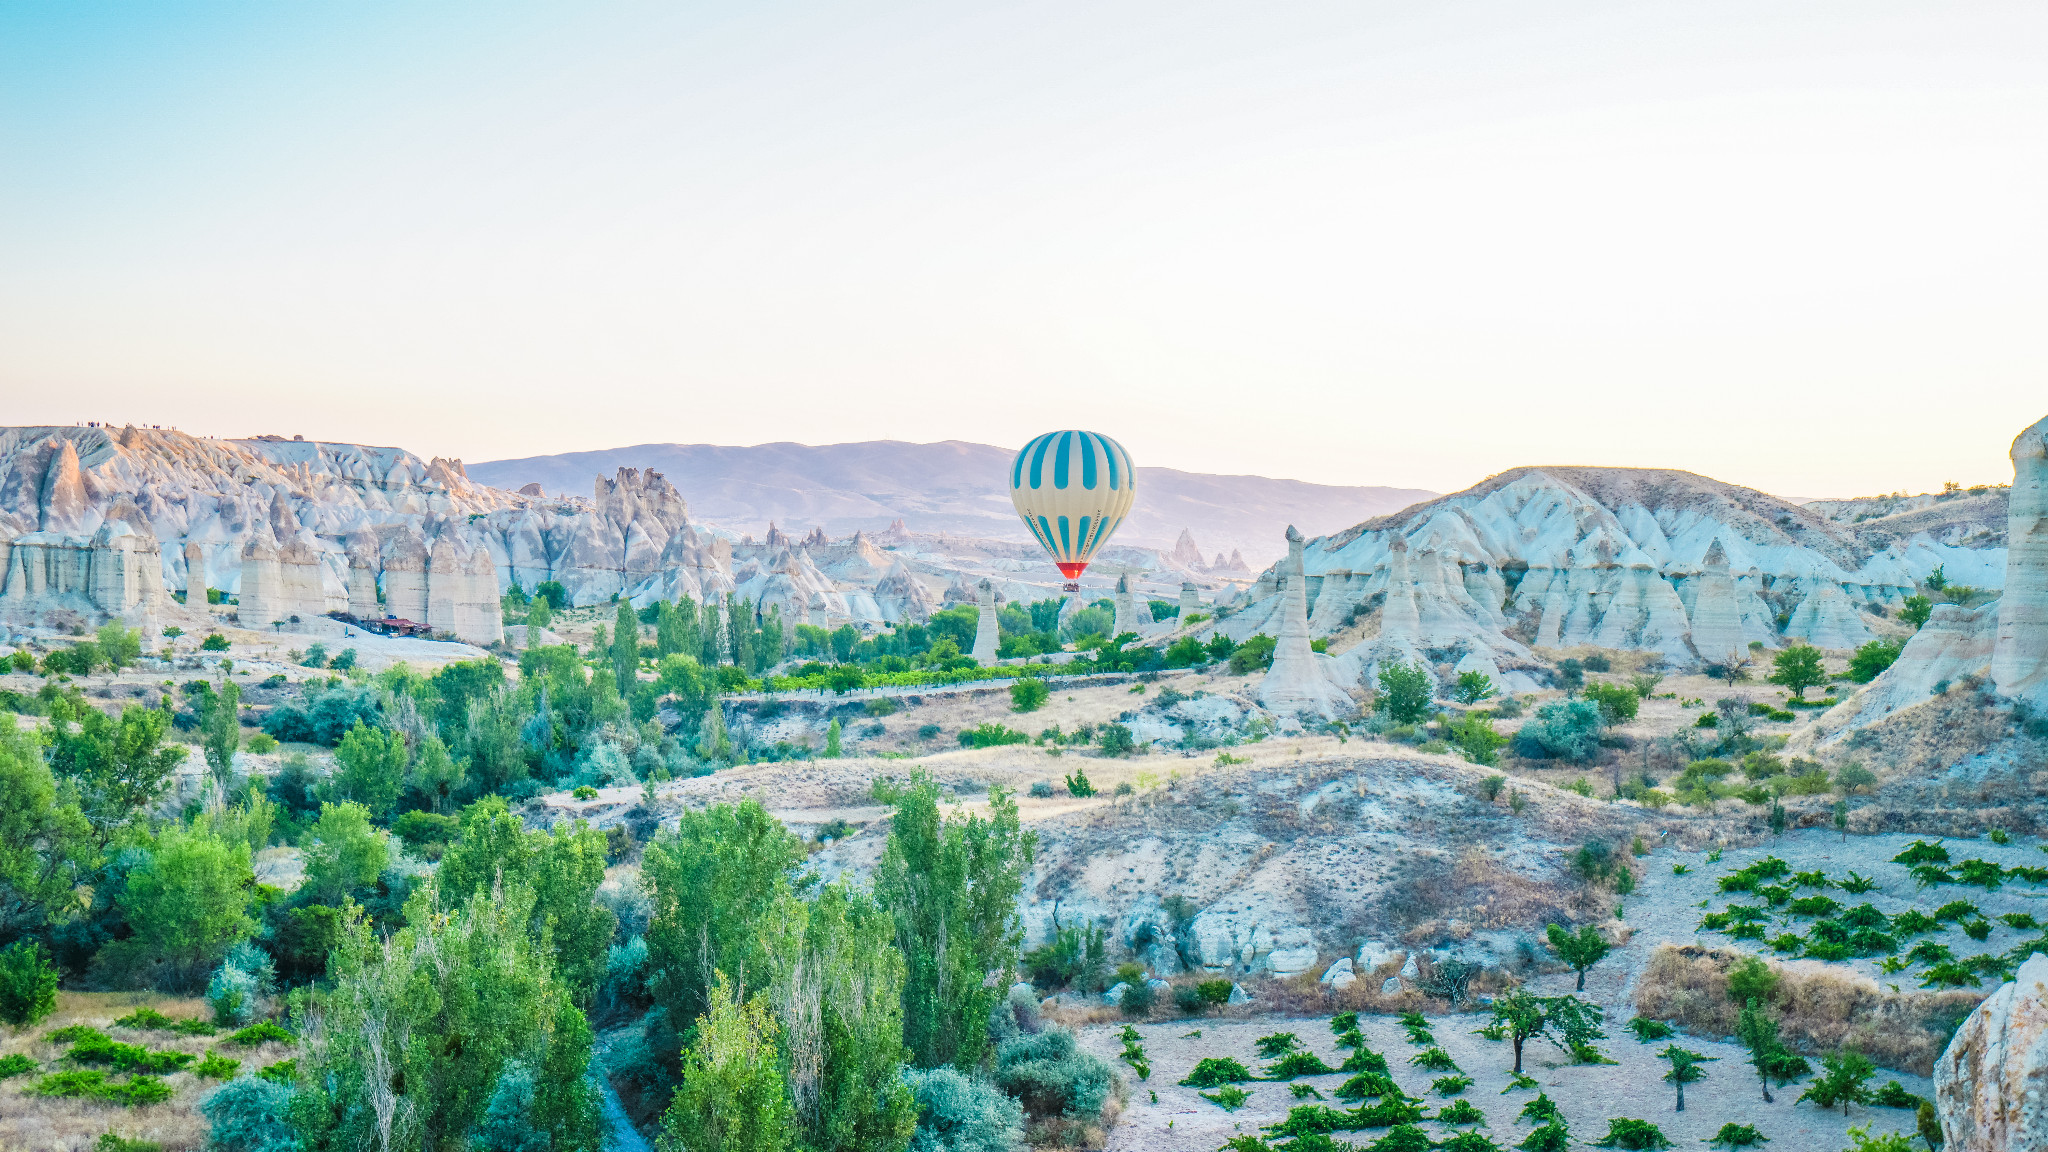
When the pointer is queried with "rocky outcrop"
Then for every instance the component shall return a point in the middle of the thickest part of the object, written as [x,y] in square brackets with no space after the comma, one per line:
[1190,603]
[1991,1084]
[264,603]
[1127,618]
[405,577]
[197,578]
[1298,682]
[362,578]
[986,631]
[1954,643]
[2019,666]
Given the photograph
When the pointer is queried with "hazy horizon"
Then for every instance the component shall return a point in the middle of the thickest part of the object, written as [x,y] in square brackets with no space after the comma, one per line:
[1412,245]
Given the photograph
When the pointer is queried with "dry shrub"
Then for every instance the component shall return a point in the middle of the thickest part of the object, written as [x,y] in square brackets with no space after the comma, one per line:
[1820,1007]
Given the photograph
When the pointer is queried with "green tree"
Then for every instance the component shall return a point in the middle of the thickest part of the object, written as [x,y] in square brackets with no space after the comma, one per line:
[562,868]
[832,749]
[733,1097]
[119,646]
[1476,738]
[1872,658]
[187,902]
[712,882]
[539,615]
[407,1044]
[1405,692]
[1798,668]
[1685,1069]
[1916,610]
[840,1000]
[1472,687]
[1521,1017]
[435,776]
[1579,951]
[220,732]
[952,887]
[343,852]
[47,847]
[1618,705]
[1255,654]
[370,768]
[625,647]
[121,768]
[1029,694]
[28,984]
[1751,979]
[1841,1080]
[1758,1032]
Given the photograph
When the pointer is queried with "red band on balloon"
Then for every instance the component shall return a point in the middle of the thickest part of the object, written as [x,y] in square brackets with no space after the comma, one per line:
[1070,570]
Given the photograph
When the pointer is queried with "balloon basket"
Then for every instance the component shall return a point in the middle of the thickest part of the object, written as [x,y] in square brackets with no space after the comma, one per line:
[1071,586]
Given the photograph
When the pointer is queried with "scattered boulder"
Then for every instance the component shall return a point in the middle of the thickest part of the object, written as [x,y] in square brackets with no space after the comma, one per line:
[1238,995]
[1339,974]
[1991,1085]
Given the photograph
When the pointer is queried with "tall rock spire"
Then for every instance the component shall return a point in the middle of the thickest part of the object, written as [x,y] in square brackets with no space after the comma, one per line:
[2019,664]
[1296,683]
[986,631]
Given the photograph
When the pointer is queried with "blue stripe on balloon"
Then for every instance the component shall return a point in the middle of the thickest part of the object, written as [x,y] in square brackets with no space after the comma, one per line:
[1045,534]
[1116,457]
[1087,465]
[1017,468]
[1038,460]
[1066,552]
[1081,538]
[1059,467]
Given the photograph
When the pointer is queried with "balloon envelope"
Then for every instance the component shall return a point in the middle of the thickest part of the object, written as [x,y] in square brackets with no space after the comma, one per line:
[1072,489]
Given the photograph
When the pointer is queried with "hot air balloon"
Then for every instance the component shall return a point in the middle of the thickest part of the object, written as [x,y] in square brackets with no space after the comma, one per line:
[1072,489]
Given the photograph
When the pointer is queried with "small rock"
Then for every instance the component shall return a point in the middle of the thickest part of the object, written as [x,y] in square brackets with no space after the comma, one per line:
[1371,955]
[1391,986]
[1410,971]
[1115,996]
[1339,974]
[1158,985]
[1023,987]
[1238,996]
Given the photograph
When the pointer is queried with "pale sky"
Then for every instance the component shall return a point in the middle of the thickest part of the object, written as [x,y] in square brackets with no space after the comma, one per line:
[1795,246]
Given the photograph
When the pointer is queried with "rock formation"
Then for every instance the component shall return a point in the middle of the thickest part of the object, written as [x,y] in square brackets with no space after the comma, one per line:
[986,631]
[1991,1084]
[445,588]
[405,578]
[1127,618]
[197,579]
[817,611]
[1190,603]
[362,578]
[1185,552]
[1297,683]
[2019,666]
[478,619]
[263,602]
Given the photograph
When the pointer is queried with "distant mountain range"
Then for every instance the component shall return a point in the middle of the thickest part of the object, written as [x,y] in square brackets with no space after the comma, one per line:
[951,486]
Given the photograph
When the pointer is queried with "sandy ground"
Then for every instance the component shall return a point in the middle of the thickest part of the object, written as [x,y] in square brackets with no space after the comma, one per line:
[1589,1095]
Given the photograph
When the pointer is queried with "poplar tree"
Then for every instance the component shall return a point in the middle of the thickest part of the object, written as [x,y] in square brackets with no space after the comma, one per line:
[625,646]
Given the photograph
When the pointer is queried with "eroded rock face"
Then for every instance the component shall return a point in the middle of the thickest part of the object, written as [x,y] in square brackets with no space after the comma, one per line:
[1991,1085]
[2020,664]
[986,629]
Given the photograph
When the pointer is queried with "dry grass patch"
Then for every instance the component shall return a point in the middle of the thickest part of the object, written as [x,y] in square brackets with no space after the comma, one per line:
[49,1124]
[1820,1007]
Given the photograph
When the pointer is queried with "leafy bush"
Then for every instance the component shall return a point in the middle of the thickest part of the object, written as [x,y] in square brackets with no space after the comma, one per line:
[1618,705]
[1029,695]
[109,1142]
[1405,692]
[28,984]
[1115,740]
[1568,730]
[1277,1044]
[92,1084]
[991,735]
[250,1115]
[15,1064]
[126,1057]
[1229,1097]
[1460,1112]
[1214,1070]
[1733,1135]
[1051,1077]
[1649,1031]
[1078,785]
[1367,1085]
[1450,1085]
[217,1067]
[263,1031]
[1041,789]
[1873,658]
[1632,1134]
[958,1114]
[1298,1064]
[1434,1060]
[1254,655]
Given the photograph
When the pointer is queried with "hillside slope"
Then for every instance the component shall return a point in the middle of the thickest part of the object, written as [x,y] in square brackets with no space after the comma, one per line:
[952,486]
